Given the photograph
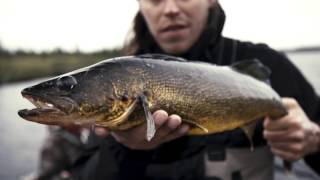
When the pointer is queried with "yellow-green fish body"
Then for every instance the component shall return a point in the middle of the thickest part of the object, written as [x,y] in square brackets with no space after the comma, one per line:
[121,93]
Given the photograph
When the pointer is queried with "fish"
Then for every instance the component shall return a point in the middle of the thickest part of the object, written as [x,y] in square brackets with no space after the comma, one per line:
[123,92]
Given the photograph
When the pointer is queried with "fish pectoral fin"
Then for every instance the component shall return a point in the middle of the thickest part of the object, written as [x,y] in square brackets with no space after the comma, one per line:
[248,130]
[102,122]
[196,125]
[151,127]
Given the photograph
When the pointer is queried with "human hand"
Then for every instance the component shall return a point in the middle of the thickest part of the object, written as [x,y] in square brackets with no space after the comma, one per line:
[168,128]
[293,136]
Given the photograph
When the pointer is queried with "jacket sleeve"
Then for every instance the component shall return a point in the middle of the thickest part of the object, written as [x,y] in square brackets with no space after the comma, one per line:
[314,159]
[289,82]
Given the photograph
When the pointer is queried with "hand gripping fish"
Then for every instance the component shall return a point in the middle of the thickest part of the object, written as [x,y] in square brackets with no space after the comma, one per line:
[121,93]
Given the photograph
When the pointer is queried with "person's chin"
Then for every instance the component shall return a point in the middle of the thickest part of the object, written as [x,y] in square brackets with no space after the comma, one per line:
[176,48]
[174,42]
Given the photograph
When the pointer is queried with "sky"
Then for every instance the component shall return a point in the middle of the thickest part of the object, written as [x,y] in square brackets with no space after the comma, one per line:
[91,25]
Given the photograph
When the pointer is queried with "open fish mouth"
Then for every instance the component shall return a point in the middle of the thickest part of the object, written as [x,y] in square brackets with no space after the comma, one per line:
[42,106]
[61,111]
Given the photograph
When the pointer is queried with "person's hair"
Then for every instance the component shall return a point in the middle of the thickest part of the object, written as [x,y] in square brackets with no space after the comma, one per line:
[138,37]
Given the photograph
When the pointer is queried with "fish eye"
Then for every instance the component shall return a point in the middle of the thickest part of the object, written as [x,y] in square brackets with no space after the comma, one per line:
[66,82]
[125,96]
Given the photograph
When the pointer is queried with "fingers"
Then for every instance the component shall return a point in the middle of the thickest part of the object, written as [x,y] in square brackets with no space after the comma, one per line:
[137,134]
[287,145]
[284,154]
[290,102]
[293,109]
[276,125]
[170,125]
[168,128]
[295,148]
[101,132]
[288,122]
[293,136]
[160,117]
[284,136]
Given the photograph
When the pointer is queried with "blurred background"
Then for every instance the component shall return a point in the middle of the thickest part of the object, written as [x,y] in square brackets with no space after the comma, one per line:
[43,38]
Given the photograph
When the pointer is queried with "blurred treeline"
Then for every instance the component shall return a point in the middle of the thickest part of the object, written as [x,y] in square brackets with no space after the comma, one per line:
[23,65]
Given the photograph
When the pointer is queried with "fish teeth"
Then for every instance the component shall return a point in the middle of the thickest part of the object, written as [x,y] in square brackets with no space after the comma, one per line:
[49,105]
[35,102]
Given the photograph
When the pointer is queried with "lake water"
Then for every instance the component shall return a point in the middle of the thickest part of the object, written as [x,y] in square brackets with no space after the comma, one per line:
[309,64]
[20,140]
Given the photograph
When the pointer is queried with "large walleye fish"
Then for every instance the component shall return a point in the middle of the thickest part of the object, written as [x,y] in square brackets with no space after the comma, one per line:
[121,93]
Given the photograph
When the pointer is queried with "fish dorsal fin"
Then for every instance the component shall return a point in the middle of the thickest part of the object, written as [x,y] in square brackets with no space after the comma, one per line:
[248,130]
[253,68]
[162,57]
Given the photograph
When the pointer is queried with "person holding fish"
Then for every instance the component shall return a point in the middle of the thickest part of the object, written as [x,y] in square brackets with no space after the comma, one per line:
[192,29]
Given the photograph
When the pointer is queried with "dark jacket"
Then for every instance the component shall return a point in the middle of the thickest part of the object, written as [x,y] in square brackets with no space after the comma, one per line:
[182,158]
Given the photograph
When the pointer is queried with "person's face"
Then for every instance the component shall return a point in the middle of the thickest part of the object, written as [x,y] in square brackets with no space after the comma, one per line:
[176,24]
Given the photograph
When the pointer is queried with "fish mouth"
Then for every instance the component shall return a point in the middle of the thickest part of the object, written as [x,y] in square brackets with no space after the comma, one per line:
[41,106]
[44,111]
[51,112]
[47,109]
